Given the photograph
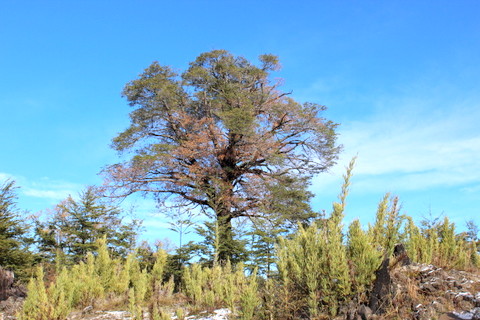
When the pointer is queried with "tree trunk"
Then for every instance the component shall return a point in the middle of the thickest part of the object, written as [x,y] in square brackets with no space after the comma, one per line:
[6,282]
[225,238]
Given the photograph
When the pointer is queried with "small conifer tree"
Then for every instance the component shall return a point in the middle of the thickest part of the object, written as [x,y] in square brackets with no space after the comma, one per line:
[388,222]
[313,264]
[365,258]
[448,243]
[414,241]
[104,265]
[36,305]
[249,299]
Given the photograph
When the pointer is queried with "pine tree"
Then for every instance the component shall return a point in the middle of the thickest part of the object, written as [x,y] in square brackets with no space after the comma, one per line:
[416,243]
[386,230]
[448,244]
[289,206]
[76,226]
[104,265]
[218,136]
[208,249]
[37,305]
[313,264]
[264,236]
[365,258]
[13,232]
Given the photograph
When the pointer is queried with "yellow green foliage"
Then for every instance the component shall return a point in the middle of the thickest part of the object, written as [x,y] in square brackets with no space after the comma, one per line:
[160,314]
[159,265]
[439,245]
[313,264]
[133,306]
[141,286]
[41,303]
[249,298]
[105,266]
[123,279]
[220,286]
[37,305]
[475,258]
[416,244]
[180,313]
[318,267]
[313,270]
[386,230]
[61,294]
[87,281]
[364,256]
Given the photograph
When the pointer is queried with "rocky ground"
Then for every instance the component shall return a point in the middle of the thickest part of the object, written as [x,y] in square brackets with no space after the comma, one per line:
[424,292]
[435,293]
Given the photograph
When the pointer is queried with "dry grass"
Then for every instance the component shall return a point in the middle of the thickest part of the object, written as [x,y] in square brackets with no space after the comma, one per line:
[113,302]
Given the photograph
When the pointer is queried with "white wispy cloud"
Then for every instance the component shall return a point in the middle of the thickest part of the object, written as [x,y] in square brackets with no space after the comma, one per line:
[411,148]
[47,194]
[472,189]
[156,223]
[49,189]
[40,194]
[5,176]
[44,188]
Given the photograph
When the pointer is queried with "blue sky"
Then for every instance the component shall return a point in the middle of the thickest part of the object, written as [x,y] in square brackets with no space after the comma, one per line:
[402,78]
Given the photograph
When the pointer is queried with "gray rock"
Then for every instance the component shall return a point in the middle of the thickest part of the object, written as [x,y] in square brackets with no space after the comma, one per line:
[365,312]
[87,310]
[476,314]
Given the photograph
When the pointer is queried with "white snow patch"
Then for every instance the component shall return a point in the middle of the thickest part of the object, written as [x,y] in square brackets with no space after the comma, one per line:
[464,294]
[428,267]
[434,270]
[220,314]
[464,315]
[120,315]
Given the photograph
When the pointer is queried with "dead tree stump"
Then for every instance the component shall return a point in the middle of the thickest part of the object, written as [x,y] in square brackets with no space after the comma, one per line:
[400,253]
[380,295]
[6,283]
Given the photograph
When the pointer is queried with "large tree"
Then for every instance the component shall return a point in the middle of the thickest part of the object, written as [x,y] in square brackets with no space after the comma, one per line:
[220,135]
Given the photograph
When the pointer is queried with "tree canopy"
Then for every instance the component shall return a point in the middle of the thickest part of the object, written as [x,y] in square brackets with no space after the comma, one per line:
[222,136]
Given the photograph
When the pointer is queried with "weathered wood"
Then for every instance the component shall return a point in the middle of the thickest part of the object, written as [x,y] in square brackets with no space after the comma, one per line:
[380,296]
[400,253]
[6,282]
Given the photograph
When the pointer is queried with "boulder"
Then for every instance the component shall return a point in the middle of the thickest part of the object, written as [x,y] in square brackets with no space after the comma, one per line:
[365,312]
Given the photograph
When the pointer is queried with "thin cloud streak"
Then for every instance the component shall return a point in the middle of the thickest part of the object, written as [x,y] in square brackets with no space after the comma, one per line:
[404,152]
[48,191]
[5,176]
[47,194]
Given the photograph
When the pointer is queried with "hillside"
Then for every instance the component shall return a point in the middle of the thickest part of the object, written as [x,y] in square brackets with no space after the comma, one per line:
[416,291]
